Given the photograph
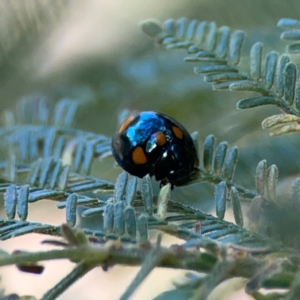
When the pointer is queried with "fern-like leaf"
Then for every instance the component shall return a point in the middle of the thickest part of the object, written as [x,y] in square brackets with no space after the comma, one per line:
[218,52]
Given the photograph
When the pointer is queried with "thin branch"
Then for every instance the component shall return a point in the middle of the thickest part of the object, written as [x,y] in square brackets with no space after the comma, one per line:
[151,261]
[170,258]
[79,271]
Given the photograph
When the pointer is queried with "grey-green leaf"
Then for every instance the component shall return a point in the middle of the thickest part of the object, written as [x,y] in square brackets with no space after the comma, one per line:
[223,42]
[247,85]
[270,68]
[295,199]
[120,186]
[211,38]
[208,152]
[191,30]
[220,157]
[108,218]
[287,23]
[200,33]
[236,207]
[220,199]
[170,27]
[256,60]
[151,27]
[235,46]
[279,82]
[257,101]
[297,96]
[147,194]
[217,77]
[142,227]
[214,69]
[131,190]
[272,177]
[294,48]
[10,201]
[71,209]
[119,218]
[130,221]
[230,163]
[261,176]
[23,195]
[291,35]
[181,28]
[290,74]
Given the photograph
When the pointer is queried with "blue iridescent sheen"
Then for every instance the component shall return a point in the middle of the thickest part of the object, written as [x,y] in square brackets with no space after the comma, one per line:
[147,124]
[171,161]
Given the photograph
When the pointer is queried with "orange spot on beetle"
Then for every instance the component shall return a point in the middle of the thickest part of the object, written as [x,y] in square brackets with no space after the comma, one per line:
[139,156]
[160,138]
[126,123]
[178,132]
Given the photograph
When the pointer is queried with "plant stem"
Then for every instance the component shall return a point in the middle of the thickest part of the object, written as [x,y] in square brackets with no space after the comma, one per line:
[79,271]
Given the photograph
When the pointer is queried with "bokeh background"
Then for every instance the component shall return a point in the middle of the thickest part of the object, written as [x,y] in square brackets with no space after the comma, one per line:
[95,52]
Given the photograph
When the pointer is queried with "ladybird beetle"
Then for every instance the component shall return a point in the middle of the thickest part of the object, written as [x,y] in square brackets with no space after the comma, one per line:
[155,144]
